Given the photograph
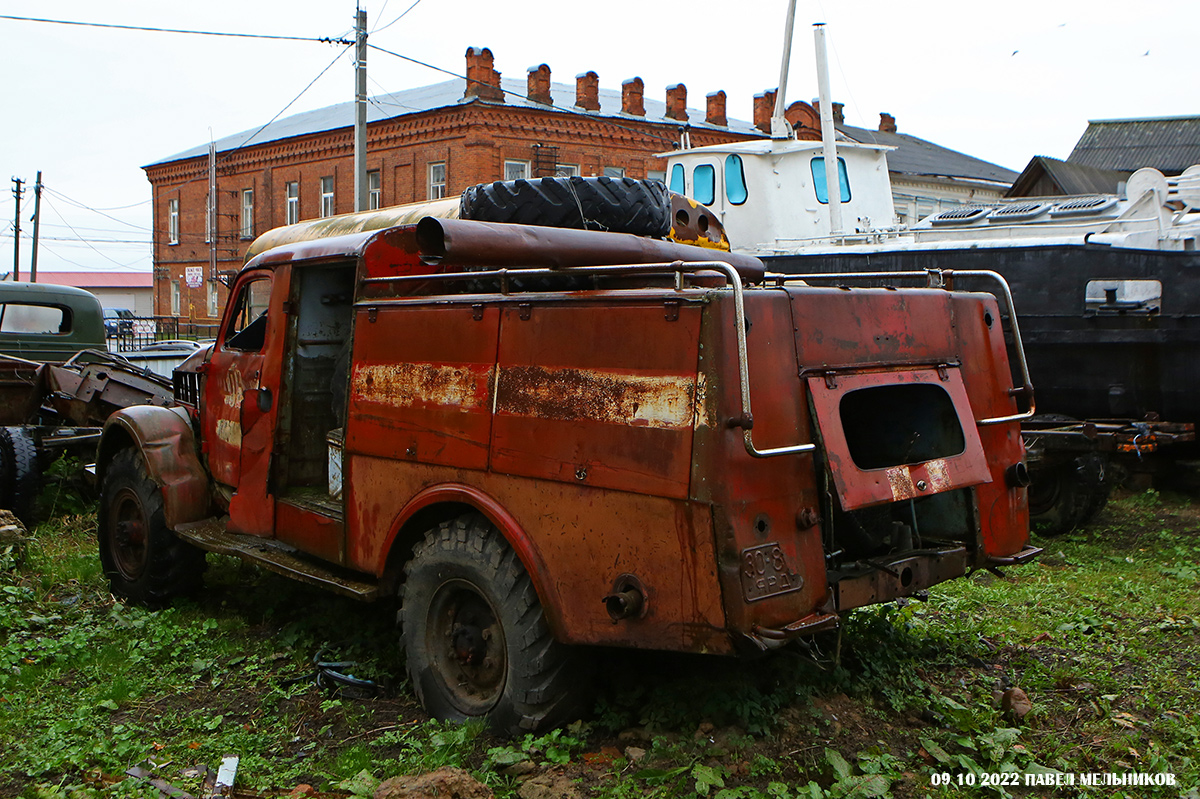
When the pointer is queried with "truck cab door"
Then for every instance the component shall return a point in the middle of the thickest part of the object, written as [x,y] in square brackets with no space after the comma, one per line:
[240,402]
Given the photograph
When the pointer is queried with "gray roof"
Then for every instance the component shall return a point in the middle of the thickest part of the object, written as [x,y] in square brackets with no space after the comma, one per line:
[443,95]
[1069,178]
[1169,144]
[921,158]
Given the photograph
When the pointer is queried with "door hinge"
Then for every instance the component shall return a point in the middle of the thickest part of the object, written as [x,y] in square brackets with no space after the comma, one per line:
[671,310]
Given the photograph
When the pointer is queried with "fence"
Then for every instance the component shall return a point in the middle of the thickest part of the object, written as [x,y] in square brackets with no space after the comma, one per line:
[130,334]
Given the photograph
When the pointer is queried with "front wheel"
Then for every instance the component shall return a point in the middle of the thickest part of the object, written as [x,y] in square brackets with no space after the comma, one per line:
[144,561]
[476,640]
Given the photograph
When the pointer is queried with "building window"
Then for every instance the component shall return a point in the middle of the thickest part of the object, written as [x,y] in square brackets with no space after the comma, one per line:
[172,221]
[208,218]
[566,170]
[293,202]
[374,190]
[174,298]
[656,174]
[516,170]
[212,299]
[437,180]
[614,171]
[327,207]
[247,213]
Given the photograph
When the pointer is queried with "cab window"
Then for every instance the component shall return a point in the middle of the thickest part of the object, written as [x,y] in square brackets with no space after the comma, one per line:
[677,179]
[247,329]
[38,319]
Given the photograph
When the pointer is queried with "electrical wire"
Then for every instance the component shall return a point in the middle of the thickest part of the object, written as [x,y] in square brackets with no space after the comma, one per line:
[320,39]
[46,189]
[397,19]
[81,238]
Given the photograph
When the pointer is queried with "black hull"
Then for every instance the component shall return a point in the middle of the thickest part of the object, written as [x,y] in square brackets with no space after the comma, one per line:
[1086,364]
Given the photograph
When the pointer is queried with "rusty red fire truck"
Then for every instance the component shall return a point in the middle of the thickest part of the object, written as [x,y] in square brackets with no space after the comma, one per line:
[542,439]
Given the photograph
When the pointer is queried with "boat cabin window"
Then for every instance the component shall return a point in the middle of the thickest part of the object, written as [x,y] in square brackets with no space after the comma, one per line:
[704,184]
[735,180]
[818,173]
[677,179]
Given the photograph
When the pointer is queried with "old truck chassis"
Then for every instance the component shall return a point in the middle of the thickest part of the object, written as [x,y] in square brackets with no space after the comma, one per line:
[543,438]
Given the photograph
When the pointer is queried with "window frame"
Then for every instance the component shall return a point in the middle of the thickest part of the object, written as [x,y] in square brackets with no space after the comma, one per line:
[173,220]
[291,202]
[711,186]
[436,190]
[374,190]
[247,217]
[176,298]
[818,176]
[328,197]
[513,162]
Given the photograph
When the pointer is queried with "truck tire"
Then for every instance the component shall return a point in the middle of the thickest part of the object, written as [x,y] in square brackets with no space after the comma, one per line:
[20,473]
[1056,499]
[476,641]
[144,561]
[620,205]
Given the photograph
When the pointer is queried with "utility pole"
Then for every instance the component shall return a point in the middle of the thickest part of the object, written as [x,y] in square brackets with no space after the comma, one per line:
[360,110]
[37,218]
[211,216]
[18,192]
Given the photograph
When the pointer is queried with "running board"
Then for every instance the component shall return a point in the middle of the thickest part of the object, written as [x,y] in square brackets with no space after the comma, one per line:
[210,534]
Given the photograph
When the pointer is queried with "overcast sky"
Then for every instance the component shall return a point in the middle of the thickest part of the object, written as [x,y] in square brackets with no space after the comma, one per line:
[1000,81]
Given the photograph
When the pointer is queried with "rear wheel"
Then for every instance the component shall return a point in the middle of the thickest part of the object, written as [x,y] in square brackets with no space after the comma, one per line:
[20,473]
[475,636]
[144,561]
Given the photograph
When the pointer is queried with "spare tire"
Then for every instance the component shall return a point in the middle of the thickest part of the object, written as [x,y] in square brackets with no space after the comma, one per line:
[620,205]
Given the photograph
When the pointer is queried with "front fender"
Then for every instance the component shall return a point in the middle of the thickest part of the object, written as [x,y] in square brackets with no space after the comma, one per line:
[168,447]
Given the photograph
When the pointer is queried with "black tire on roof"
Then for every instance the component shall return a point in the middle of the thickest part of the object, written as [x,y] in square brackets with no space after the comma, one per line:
[621,205]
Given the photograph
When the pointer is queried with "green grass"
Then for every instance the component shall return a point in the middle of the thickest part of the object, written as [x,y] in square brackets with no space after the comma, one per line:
[1103,634]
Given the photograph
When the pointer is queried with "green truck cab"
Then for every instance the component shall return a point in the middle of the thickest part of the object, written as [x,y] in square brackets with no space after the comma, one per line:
[48,323]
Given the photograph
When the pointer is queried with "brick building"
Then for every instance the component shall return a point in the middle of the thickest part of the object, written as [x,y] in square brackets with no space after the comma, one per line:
[422,143]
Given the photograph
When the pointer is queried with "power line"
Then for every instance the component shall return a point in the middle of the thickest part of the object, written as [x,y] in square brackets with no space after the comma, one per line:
[85,207]
[397,19]
[320,39]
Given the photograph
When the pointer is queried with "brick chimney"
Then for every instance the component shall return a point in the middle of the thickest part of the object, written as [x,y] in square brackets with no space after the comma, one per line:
[587,91]
[764,107]
[677,102]
[482,81]
[839,117]
[715,111]
[633,93]
[539,85]
[887,123]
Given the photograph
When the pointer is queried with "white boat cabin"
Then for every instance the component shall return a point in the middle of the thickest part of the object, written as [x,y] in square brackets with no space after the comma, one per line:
[771,194]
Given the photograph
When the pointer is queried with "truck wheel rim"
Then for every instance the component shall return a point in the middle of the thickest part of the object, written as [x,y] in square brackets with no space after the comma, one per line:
[467,646]
[127,535]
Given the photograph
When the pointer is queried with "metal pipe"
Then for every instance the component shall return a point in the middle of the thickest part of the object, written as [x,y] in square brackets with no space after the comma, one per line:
[780,129]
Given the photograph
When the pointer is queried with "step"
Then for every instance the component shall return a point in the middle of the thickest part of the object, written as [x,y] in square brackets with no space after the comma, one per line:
[210,534]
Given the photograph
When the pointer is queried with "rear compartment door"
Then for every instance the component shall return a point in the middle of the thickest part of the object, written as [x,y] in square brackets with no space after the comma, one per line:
[897,435]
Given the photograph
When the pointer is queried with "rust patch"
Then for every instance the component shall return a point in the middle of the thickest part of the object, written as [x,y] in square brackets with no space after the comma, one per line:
[658,401]
[939,475]
[404,385]
[900,479]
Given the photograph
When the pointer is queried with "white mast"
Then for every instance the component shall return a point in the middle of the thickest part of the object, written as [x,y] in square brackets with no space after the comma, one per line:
[833,185]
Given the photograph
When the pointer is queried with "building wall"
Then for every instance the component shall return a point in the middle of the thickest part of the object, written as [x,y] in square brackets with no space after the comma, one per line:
[473,140]
[916,199]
